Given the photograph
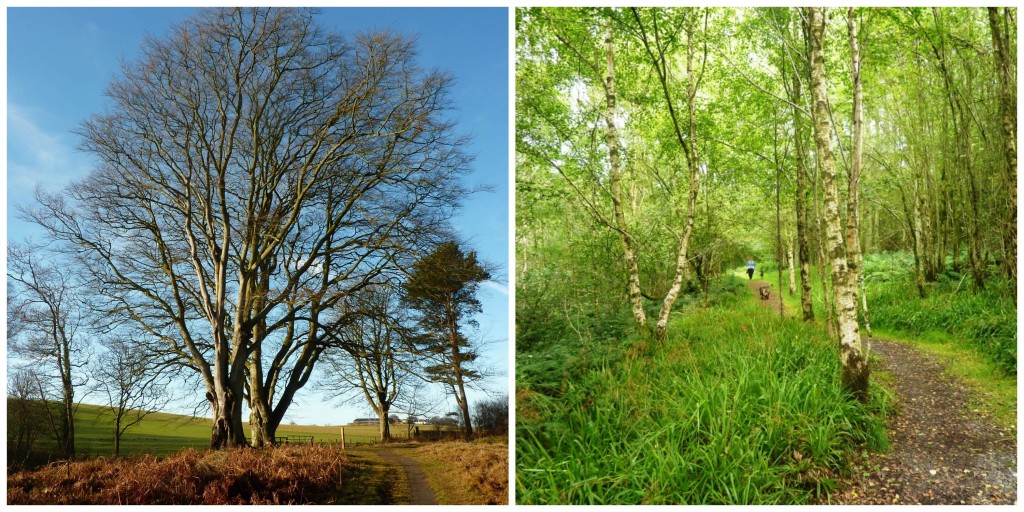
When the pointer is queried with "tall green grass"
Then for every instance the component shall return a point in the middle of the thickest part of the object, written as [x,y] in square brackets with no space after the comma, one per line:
[735,407]
[985,319]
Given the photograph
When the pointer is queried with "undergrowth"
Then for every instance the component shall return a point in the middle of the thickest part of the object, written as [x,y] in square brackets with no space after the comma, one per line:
[734,408]
[986,319]
[285,475]
[953,311]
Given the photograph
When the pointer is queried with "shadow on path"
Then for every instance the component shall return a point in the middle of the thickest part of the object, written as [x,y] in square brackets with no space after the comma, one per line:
[420,492]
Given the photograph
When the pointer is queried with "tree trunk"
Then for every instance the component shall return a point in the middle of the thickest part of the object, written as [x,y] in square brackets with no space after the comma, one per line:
[916,234]
[853,256]
[224,399]
[1008,110]
[384,424]
[629,253]
[117,433]
[792,270]
[855,369]
[259,429]
[68,414]
[778,226]
[463,404]
[802,227]
[693,164]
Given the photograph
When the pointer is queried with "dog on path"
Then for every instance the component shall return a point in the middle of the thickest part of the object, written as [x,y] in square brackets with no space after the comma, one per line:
[765,292]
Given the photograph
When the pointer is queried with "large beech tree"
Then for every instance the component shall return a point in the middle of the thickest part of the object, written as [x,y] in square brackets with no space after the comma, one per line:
[253,170]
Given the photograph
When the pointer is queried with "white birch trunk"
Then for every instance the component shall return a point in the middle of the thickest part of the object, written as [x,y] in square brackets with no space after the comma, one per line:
[854,365]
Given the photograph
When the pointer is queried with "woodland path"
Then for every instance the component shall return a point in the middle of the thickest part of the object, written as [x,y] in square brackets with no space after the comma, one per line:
[774,301]
[943,452]
[420,492]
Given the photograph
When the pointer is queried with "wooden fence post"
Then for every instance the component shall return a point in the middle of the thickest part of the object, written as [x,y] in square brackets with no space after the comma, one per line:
[342,438]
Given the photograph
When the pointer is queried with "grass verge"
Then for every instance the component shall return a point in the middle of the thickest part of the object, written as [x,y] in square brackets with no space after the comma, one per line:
[463,473]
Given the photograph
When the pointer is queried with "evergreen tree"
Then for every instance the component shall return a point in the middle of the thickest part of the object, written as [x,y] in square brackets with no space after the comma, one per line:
[442,291]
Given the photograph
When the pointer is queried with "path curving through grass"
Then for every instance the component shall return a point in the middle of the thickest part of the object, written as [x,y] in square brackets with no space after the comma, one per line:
[943,451]
[420,492]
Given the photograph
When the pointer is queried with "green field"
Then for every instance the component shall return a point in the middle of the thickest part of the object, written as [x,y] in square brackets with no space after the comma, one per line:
[161,433]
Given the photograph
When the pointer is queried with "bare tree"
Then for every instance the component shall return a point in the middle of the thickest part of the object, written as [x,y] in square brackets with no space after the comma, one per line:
[254,171]
[368,358]
[492,415]
[133,383]
[49,315]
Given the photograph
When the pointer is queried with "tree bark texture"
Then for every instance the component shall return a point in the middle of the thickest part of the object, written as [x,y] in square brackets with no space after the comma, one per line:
[629,252]
[855,369]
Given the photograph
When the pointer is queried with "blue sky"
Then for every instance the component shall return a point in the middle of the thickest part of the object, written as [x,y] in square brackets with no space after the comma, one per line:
[60,61]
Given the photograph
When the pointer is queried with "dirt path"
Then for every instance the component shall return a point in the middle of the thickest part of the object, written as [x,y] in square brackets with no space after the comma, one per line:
[942,452]
[774,300]
[420,492]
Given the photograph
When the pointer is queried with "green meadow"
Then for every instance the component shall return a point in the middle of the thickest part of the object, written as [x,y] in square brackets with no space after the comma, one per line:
[162,433]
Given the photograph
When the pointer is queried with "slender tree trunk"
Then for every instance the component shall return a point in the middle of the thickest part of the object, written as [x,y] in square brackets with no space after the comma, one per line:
[629,253]
[792,270]
[802,196]
[1008,109]
[68,411]
[964,159]
[117,431]
[778,227]
[855,369]
[916,234]
[693,164]
[853,255]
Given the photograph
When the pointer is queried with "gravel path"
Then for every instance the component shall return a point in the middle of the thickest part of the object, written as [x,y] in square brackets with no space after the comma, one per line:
[942,451]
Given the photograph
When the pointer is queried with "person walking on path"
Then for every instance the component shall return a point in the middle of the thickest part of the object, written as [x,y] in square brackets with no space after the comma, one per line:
[750,268]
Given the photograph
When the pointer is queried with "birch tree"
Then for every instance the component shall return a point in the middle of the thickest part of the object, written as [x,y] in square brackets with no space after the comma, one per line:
[855,369]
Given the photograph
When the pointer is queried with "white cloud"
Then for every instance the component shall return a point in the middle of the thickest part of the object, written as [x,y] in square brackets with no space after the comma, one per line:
[36,156]
[501,288]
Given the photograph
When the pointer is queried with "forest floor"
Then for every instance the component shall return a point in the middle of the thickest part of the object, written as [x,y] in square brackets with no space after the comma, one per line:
[943,451]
